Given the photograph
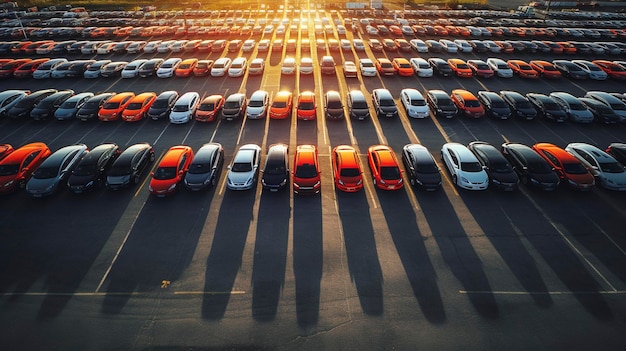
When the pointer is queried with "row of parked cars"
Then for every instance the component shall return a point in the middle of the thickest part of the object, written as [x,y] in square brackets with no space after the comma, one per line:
[598,106]
[474,167]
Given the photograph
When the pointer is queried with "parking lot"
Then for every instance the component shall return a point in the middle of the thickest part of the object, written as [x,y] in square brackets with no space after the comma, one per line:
[222,270]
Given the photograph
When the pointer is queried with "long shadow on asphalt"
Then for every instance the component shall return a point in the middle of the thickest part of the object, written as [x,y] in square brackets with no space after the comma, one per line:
[409,243]
[224,260]
[307,257]
[270,253]
[159,247]
[458,253]
[361,252]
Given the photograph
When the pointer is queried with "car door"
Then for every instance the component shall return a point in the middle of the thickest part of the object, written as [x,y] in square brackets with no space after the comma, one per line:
[452,162]
[554,162]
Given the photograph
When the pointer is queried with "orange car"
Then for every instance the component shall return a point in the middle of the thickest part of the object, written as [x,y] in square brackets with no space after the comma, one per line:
[7,69]
[385,67]
[281,105]
[555,48]
[545,69]
[138,107]
[5,150]
[522,69]
[347,169]
[460,68]
[467,103]
[614,70]
[202,68]
[306,170]
[568,167]
[186,67]
[307,107]
[171,170]
[402,66]
[505,47]
[385,167]
[27,69]
[113,108]
[17,167]
[568,48]
[209,108]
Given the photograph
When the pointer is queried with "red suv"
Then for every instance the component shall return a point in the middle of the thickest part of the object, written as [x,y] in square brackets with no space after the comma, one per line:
[306,170]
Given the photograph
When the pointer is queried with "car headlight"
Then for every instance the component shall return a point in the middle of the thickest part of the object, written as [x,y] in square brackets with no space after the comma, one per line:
[359,182]
[9,183]
[418,182]
[340,182]
[317,184]
[464,180]
[172,187]
[534,181]
[150,188]
[89,184]
[249,181]
[572,182]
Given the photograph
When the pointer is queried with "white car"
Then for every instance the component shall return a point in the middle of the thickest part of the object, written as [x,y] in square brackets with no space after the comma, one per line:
[421,67]
[248,45]
[306,65]
[165,46]
[168,67]
[185,107]
[609,173]
[464,167]
[500,67]
[237,67]
[367,68]
[371,30]
[288,66]
[269,29]
[257,66]
[358,44]
[132,68]
[264,45]
[244,171]
[257,105]
[220,67]
[418,45]
[463,45]
[592,69]
[492,46]
[152,46]
[414,103]
[448,46]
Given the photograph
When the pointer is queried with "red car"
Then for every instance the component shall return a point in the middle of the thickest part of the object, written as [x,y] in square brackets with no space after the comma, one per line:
[17,167]
[138,107]
[26,70]
[347,169]
[7,68]
[480,68]
[467,103]
[385,67]
[384,167]
[203,68]
[306,170]
[545,69]
[522,69]
[171,170]
[113,108]
[209,108]
[614,70]
[460,68]
[307,107]
[568,167]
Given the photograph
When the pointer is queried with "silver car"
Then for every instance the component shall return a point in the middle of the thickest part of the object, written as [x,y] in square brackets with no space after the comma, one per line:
[70,107]
[609,173]
[244,170]
[576,110]
[55,170]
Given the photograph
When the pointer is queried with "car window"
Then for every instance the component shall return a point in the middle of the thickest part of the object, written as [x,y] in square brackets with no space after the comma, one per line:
[453,158]
[30,158]
[181,164]
[551,157]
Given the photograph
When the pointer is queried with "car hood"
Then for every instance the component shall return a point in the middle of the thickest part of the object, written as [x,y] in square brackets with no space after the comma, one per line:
[164,184]
[118,180]
[429,178]
[76,180]
[274,179]
[197,178]
[239,177]
[509,177]
[475,177]
[546,177]
[36,185]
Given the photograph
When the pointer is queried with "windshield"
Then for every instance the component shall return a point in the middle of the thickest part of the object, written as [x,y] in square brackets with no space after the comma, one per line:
[180,108]
[418,102]
[306,171]
[117,171]
[349,172]
[389,173]
[46,103]
[426,168]
[207,107]
[574,168]
[111,105]
[134,106]
[609,167]
[551,106]
[163,173]
[199,168]
[85,170]
[385,102]
[279,104]
[231,104]
[577,106]
[46,172]
[275,169]
[256,103]
[501,167]
[241,167]
[539,167]
[9,169]
[471,167]
[69,104]
[306,106]
[163,103]
[472,103]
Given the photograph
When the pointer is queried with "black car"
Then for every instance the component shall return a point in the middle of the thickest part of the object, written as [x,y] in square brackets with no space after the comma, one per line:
[531,168]
[570,69]
[500,171]
[150,67]
[494,105]
[23,107]
[92,106]
[90,172]
[234,106]
[162,106]
[617,150]
[519,104]
[129,166]
[276,170]
[205,168]
[440,103]
[601,112]
[333,106]
[547,107]
[53,172]
[113,69]
[46,107]
[78,68]
[478,46]
[421,168]
[440,66]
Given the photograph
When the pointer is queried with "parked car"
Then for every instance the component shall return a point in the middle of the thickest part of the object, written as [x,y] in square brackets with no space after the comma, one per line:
[357,105]
[467,103]
[570,69]
[171,170]
[575,110]
[46,107]
[112,69]
[367,67]
[460,68]
[22,108]
[306,108]
[347,173]
[244,170]
[69,108]
[545,69]
[547,107]
[383,102]
[566,166]
[384,167]
[421,67]
[162,105]
[185,108]
[128,168]
[93,71]
[220,66]
[440,103]
[205,168]
[306,170]
[501,174]
[608,172]
[617,105]
[601,112]
[234,106]
[90,172]
[209,108]
[421,168]
[168,67]
[131,70]
[440,66]
[237,67]
[281,105]
[618,151]
[91,108]
[276,168]
[9,98]
[593,71]
[522,69]
[466,171]
[500,67]
[480,68]
[112,109]
[494,105]
[45,70]
[519,104]
[150,67]
[414,103]
[17,167]
[54,170]
[531,168]
[333,106]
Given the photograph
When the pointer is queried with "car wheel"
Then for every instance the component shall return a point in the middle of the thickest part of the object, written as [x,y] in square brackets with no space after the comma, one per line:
[454,179]
[136,179]
[412,181]
[152,157]
[525,180]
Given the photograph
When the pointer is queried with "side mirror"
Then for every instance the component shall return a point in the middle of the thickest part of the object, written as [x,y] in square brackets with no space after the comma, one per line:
[152,174]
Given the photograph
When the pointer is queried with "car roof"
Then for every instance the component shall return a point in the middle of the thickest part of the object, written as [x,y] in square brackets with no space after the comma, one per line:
[461,150]
[173,155]
[385,155]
